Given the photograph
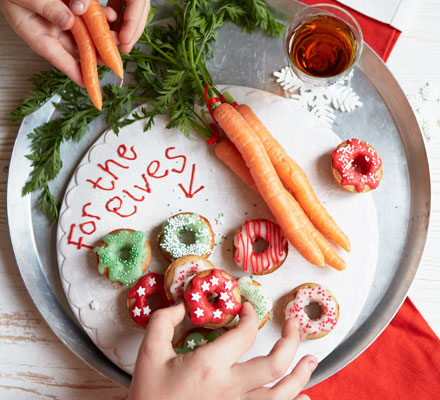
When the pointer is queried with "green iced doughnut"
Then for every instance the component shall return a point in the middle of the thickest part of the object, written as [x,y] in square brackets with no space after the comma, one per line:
[123,255]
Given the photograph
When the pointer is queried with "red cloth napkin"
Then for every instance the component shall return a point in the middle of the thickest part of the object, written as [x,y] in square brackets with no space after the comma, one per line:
[404,361]
[380,36]
[402,364]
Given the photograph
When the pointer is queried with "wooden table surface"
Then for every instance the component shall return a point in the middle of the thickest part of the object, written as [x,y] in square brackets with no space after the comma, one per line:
[34,364]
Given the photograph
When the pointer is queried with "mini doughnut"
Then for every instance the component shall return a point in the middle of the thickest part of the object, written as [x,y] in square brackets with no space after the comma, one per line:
[356,166]
[139,306]
[300,298]
[123,255]
[256,294]
[195,338]
[267,259]
[180,272]
[170,238]
[212,299]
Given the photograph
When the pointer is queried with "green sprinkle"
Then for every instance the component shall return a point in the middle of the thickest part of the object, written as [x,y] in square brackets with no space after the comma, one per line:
[122,269]
[179,224]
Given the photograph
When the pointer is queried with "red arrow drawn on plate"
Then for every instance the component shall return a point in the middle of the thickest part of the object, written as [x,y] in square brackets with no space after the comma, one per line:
[190,194]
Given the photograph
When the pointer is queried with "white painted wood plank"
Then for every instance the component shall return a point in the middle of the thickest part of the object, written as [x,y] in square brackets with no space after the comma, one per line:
[34,364]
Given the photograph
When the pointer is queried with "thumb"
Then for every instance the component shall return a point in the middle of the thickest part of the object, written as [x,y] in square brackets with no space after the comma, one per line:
[79,7]
[54,11]
[157,343]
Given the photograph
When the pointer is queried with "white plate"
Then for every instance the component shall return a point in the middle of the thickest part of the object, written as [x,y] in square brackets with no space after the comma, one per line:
[100,305]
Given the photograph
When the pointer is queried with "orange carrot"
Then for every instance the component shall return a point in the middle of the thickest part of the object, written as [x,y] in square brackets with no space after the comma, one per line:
[87,54]
[228,153]
[102,38]
[296,180]
[277,198]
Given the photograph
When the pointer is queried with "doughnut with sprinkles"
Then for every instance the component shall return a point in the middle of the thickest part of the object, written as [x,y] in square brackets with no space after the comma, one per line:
[180,272]
[356,166]
[186,233]
[123,255]
[311,298]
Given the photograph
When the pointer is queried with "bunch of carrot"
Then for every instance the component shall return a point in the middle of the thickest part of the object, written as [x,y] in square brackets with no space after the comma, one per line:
[262,163]
[92,33]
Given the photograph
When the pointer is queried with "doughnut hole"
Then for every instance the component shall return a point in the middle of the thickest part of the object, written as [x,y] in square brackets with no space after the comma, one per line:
[155,302]
[314,310]
[260,245]
[124,253]
[186,237]
[213,298]
[361,165]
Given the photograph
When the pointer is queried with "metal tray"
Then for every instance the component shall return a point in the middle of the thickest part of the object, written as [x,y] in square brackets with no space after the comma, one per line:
[402,201]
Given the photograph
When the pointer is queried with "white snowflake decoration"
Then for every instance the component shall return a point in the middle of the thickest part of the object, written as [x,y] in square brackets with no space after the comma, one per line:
[319,100]
[426,104]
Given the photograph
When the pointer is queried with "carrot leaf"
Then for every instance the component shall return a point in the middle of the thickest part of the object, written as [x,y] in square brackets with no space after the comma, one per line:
[167,69]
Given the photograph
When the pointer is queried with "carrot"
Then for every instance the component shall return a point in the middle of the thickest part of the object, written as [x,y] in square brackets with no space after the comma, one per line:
[102,38]
[296,180]
[269,185]
[228,153]
[89,65]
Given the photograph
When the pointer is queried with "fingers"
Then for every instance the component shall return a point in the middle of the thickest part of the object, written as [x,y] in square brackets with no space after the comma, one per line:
[159,333]
[110,14]
[230,346]
[54,11]
[133,25]
[262,370]
[52,50]
[288,387]
[302,397]
[79,7]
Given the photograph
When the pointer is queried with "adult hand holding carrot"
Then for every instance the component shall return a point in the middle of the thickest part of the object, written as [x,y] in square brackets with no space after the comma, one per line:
[44,25]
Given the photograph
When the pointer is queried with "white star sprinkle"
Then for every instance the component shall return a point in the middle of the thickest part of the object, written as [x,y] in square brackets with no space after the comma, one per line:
[147,310]
[224,296]
[229,305]
[136,312]
[205,286]
[228,285]
[195,296]
[214,281]
[199,312]
[203,342]
[152,281]
[141,291]
[217,314]
[191,344]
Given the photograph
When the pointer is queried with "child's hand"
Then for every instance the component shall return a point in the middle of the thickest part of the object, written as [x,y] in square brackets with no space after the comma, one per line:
[44,25]
[212,371]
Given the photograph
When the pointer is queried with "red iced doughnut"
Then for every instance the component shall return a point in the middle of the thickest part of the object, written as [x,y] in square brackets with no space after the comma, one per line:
[219,287]
[356,166]
[140,309]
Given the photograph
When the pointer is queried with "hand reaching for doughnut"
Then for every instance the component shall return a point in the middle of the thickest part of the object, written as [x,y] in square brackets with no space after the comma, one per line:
[212,371]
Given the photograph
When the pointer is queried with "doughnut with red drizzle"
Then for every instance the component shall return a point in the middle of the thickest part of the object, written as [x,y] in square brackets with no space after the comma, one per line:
[356,166]
[260,261]
[212,299]
[137,302]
